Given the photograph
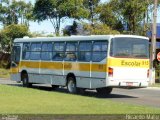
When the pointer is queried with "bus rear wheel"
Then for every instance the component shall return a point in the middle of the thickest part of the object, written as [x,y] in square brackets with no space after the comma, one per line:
[71,85]
[104,91]
[25,81]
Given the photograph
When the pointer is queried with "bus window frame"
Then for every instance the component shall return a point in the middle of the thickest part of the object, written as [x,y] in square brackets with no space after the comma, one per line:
[36,51]
[49,42]
[101,49]
[111,50]
[59,52]
[75,53]
[85,51]
[26,51]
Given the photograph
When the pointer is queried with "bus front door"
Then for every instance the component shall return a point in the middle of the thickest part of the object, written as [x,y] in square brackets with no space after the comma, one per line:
[15,61]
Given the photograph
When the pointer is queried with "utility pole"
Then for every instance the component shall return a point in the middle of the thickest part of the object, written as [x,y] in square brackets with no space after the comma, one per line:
[153,44]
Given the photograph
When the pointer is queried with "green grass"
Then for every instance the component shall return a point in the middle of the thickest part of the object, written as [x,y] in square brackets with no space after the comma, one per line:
[18,100]
[4,73]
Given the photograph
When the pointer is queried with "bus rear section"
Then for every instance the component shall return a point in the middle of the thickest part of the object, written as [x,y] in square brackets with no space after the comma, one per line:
[128,64]
[128,72]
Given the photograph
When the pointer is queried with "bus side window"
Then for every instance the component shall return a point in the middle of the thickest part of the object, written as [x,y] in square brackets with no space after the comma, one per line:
[35,51]
[26,51]
[46,53]
[85,49]
[100,49]
[71,51]
[58,51]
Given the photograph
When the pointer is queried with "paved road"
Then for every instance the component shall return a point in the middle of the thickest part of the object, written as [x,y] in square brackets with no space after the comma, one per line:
[147,96]
[144,96]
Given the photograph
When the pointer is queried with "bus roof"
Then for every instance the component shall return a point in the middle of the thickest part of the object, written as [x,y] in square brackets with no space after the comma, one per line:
[73,38]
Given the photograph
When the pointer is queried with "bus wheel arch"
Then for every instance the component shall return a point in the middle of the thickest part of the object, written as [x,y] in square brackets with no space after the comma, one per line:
[71,83]
[25,79]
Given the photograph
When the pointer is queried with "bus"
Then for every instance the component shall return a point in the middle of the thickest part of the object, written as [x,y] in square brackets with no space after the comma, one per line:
[100,62]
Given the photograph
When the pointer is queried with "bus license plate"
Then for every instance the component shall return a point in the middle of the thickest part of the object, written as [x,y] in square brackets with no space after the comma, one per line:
[129,83]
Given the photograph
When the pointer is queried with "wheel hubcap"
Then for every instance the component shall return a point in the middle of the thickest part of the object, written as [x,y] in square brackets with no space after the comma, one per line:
[71,87]
[25,80]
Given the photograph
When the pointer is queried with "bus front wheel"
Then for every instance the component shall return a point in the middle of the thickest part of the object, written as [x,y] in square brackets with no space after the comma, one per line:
[104,91]
[71,85]
[25,81]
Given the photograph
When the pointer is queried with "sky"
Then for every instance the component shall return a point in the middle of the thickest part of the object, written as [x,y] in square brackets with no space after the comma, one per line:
[47,27]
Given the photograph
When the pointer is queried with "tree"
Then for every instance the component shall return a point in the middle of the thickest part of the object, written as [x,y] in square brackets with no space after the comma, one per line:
[56,10]
[91,6]
[3,11]
[9,33]
[99,29]
[23,11]
[52,10]
[133,11]
[12,12]
[80,10]
[109,15]
[28,14]
[126,13]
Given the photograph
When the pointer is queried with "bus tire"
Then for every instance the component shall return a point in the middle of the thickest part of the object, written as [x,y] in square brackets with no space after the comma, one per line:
[104,91]
[25,80]
[71,85]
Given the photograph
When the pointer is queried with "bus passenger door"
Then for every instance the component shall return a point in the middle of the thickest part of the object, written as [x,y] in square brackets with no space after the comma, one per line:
[15,61]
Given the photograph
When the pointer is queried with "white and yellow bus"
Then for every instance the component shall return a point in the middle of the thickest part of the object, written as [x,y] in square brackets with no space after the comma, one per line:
[99,62]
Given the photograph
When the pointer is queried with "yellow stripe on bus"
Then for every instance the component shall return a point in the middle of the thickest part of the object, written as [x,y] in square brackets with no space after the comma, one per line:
[112,62]
[51,65]
[14,70]
[127,62]
[67,66]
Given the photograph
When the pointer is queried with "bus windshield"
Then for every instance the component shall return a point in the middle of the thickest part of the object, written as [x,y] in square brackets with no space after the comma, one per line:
[130,47]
